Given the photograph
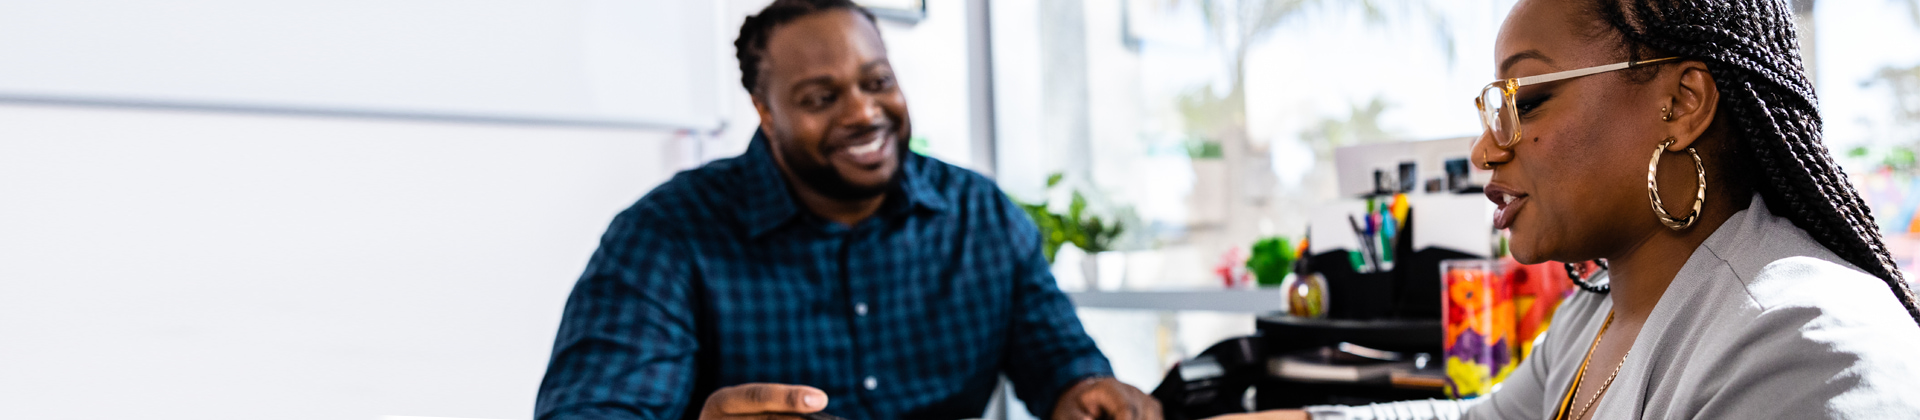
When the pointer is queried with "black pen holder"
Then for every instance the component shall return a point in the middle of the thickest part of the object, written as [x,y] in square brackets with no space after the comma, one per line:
[1352,294]
[1411,290]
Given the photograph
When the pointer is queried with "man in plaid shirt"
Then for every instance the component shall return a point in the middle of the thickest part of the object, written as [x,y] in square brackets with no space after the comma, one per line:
[826,270]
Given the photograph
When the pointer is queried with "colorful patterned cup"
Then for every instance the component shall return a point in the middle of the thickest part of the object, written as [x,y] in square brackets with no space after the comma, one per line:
[1478,312]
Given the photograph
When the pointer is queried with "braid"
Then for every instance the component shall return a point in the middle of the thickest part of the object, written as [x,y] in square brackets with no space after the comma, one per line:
[752,42]
[1752,50]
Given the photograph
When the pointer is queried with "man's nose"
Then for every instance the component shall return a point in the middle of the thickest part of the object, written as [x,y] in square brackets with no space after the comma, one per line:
[861,110]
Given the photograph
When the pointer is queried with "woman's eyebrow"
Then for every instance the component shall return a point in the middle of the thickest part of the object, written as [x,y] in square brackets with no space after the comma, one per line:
[1517,57]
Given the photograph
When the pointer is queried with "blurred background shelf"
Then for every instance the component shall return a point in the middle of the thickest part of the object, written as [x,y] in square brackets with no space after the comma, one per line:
[1255,301]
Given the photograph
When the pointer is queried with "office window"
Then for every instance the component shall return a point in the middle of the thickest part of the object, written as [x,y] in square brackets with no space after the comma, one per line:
[1203,126]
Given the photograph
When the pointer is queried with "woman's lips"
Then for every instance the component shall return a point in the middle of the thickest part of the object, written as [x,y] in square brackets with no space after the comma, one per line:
[1509,203]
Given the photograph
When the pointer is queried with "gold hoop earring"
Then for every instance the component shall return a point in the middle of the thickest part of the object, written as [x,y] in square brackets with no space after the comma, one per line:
[1653,188]
[1666,114]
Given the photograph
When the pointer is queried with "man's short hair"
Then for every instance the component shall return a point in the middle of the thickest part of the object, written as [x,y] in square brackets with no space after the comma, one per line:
[752,43]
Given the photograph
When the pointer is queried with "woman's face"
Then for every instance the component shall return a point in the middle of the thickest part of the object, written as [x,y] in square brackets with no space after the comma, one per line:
[1578,170]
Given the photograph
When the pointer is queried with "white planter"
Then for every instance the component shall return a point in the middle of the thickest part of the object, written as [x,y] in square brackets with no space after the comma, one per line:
[1104,271]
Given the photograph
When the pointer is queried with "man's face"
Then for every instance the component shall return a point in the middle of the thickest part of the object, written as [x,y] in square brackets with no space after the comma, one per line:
[830,107]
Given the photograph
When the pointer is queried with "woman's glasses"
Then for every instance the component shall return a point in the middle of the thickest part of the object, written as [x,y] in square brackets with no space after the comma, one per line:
[1497,113]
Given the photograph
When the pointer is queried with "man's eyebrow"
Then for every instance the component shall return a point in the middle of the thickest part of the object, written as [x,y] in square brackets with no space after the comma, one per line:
[828,79]
[815,80]
[1516,58]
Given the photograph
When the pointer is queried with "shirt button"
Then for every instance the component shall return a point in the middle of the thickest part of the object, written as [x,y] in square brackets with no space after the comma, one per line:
[870,383]
[861,310]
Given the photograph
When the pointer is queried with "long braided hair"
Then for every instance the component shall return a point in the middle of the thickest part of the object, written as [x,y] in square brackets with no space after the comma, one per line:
[1752,50]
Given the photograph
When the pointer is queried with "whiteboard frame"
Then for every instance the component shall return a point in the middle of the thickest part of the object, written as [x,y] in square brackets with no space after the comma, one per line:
[708,123]
[345,112]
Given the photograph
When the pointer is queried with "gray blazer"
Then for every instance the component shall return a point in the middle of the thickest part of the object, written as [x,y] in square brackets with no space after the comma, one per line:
[1761,323]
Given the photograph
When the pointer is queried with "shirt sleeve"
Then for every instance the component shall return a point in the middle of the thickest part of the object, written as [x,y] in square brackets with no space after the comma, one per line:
[1402,410]
[1517,397]
[1512,401]
[627,339]
[1048,351]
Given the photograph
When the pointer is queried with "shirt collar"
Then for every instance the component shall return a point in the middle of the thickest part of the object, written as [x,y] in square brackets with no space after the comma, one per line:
[770,204]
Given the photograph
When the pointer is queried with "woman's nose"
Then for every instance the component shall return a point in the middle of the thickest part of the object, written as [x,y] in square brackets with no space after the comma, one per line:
[1486,154]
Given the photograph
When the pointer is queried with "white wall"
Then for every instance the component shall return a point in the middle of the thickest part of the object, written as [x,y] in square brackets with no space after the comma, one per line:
[930,58]
[186,265]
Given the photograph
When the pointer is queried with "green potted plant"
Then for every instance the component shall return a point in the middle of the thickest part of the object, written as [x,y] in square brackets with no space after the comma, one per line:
[1090,233]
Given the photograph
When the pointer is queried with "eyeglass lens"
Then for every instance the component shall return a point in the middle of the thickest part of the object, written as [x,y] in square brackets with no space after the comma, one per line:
[1498,115]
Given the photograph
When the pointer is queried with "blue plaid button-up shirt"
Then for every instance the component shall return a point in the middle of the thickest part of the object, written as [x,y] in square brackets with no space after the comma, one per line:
[719,278]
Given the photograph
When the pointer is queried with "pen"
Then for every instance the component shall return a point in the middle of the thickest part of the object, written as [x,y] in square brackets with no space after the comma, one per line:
[1377,239]
[1366,243]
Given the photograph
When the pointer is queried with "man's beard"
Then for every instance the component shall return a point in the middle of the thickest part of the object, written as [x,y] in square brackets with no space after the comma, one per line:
[827,181]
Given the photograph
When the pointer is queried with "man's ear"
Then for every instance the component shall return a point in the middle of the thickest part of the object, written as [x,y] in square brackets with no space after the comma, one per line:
[1695,101]
[766,112]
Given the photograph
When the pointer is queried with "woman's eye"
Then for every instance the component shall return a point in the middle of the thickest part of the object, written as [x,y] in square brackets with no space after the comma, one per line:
[1525,106]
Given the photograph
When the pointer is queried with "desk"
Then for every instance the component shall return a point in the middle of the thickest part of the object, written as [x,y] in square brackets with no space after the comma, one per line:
[1255,301]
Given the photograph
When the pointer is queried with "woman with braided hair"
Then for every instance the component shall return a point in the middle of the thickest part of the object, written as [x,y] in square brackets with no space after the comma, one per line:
[1745,277]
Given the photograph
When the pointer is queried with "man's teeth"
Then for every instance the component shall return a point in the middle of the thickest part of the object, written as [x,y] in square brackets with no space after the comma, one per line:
[1506,199]
[870,147]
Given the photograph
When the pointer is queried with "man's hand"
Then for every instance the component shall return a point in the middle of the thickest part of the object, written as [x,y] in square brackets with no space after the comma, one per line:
[1105,398]
[1267,415]
[763,401]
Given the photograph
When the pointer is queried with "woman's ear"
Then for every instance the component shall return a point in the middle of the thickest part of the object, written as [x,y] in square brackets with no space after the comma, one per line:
[1694,101]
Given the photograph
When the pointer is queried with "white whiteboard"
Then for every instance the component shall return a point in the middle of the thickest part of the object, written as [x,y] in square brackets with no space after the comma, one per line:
[159,265]
[639,63]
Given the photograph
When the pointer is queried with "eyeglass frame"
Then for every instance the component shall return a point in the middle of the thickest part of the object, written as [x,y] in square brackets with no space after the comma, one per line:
[1509,86]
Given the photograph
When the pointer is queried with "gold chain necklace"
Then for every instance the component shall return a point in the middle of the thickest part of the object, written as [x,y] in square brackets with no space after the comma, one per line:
[1574,388]
[1603,387]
